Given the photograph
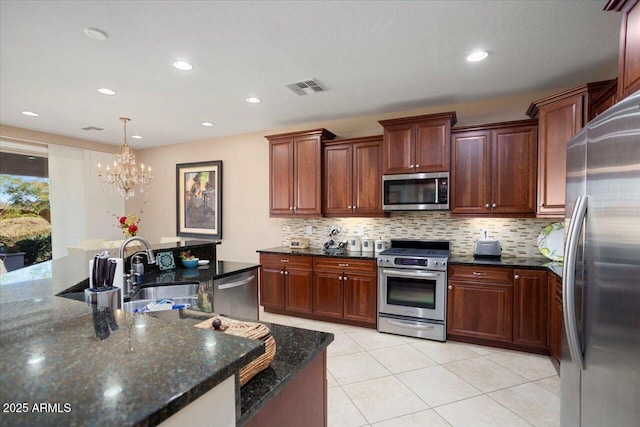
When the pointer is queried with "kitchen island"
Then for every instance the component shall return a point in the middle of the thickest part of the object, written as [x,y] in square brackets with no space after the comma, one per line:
[55,371]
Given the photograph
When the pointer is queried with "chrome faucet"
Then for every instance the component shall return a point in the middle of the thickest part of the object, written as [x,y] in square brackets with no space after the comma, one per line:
[128,278]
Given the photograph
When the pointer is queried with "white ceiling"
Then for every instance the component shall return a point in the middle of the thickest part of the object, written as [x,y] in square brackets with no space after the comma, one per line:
[372,57]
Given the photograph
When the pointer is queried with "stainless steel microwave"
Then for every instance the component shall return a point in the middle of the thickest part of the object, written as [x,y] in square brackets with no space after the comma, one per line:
[416,192]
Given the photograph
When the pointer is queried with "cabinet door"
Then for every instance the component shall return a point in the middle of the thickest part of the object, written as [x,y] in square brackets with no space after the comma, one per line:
[367,178]
[360,302]
[398,148]
[272,287]
[307,175]
[470,174]
[480,310]
[530,308]
[432,146]
[338,185]
[558,123]
[327,294]
[555,317]
[629,59]
[513,170]
[298,290]
[281,173]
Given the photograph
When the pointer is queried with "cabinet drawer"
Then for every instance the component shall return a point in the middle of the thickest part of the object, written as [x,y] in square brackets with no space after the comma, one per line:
[282,260]
[344,264]
[488,275]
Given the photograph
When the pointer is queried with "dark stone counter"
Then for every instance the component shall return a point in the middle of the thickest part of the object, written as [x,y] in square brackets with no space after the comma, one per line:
[284,250]
[50,352]
[509,262]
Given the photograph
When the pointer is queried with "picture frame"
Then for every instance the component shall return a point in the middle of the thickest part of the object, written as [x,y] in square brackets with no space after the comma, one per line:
[199,199]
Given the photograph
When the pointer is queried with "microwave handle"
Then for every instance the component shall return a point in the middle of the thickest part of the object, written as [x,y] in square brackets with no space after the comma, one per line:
[437,188]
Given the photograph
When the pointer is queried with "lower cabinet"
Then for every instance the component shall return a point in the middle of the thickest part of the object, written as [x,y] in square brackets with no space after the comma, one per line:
[499,306]
[346,289]
[556,318]
[286,283]
[323,288]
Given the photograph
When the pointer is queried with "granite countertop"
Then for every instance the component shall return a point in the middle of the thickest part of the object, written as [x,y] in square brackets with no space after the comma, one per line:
[50,352]
[295,348]
[319,252]
[509,262]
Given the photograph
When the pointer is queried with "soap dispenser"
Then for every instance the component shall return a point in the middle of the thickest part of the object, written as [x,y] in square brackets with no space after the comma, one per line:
[138,269]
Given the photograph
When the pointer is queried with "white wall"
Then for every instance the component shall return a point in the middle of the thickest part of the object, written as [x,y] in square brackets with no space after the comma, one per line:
[81,207]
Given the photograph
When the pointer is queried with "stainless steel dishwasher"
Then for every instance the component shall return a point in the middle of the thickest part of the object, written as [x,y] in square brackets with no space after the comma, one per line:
[237,295]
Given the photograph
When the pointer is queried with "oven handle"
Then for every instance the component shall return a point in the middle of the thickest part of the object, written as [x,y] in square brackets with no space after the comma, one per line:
[409,324]
[410,275]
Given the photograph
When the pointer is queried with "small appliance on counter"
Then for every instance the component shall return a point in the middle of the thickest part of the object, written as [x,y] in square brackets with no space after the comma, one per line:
[354,244]
[487,249]
[299,243]
[380,245]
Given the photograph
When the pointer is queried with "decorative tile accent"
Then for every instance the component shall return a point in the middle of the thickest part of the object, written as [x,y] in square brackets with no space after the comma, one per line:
[518,236]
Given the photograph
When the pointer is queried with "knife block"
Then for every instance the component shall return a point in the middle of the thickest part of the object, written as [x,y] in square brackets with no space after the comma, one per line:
[112,296]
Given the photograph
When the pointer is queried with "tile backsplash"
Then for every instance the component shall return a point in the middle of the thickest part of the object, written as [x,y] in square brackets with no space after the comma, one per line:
[518,236]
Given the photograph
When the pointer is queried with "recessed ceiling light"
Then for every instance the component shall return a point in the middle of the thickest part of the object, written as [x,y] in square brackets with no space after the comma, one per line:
[30,114]
[136,136]
[106,91]
[182,66]
[95,34]
[478,55]
[253,100]
[208,124]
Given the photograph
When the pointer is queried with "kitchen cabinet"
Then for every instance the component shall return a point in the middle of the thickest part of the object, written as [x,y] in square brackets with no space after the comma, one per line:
[498,306]
[295,172]
[346,289]
[629,53]
[353,177]
[286,283]
[560,117]
[493,169]
[417,144]
[530,308]
[480,303]
[603,99]
[556,318]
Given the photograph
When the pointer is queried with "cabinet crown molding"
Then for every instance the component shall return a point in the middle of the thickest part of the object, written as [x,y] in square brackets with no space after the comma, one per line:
[450,115]
[514,123]
[324,133]
[592,87]
[373,138]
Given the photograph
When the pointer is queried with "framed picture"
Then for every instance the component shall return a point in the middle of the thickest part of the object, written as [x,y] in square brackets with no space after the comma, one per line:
[199,199]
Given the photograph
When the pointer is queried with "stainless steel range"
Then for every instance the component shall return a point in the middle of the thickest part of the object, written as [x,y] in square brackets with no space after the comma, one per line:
[412,288]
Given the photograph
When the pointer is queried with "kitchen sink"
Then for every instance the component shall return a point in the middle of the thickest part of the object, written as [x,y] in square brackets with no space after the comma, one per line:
[130,306]
[156,291]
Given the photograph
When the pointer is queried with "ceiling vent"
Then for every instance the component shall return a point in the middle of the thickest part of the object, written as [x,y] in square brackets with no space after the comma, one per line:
[305,87]
[92,128]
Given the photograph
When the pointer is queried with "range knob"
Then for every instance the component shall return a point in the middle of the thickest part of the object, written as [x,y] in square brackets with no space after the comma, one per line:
[436,263]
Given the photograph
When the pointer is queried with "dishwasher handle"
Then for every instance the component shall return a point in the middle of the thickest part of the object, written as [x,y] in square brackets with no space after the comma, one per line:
[237,283]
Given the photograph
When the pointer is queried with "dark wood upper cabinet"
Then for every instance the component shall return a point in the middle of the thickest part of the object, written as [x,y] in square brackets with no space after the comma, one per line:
[629,57]
[353,177]
[560,117]
[493,169]
[295,170]
[417,144]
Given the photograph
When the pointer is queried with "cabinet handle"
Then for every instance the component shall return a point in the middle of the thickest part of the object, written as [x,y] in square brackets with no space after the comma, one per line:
[542,205]
[286,273]
[281,271]
[290,208]
[517,276]
[412,166]
[450,287]
[339,277]
[284,260]
[475,273]
[350,207]
[487,205]
[343,265]
[344,278]
[493,205]
[294,208]
[417,166]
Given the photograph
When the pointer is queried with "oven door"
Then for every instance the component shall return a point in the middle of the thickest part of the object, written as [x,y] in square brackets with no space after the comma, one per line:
[412,293]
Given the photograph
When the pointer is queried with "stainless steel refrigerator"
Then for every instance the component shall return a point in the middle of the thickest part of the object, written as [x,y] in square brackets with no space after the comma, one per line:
[600,367]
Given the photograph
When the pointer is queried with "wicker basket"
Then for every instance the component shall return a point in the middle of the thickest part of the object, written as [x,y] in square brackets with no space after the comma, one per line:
[249,330]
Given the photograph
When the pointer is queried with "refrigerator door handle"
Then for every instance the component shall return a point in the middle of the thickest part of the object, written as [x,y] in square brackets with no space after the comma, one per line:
[569,275]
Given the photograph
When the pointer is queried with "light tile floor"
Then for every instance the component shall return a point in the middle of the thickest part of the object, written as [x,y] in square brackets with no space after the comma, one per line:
[382,380]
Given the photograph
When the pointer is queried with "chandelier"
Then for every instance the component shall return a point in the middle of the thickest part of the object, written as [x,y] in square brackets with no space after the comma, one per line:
[125,175]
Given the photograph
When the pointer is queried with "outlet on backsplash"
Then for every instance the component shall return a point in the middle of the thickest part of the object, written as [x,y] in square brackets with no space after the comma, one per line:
[485,234]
